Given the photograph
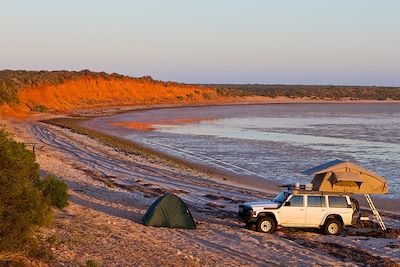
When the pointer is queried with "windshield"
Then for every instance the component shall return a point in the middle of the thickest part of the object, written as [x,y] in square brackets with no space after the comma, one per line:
[281,197]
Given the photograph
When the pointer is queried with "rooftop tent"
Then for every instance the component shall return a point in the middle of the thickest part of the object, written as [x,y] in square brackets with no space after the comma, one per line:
[169,211]
[344,176]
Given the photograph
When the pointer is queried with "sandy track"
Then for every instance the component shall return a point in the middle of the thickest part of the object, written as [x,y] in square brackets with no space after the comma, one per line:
[110,192]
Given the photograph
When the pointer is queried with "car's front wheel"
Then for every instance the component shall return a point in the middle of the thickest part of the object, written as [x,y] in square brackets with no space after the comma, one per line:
[266,225]
[333,227]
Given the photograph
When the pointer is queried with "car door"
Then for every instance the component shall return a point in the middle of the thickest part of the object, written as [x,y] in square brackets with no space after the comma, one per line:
[293,212]
[315,210]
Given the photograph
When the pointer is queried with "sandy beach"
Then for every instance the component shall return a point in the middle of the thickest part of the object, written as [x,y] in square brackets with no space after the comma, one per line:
[110,191]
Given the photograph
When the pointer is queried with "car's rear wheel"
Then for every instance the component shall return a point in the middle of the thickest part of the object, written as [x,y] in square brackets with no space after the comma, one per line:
[266,225]
[333,227]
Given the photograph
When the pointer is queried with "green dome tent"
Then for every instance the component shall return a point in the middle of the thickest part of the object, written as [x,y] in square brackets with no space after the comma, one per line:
[169,211]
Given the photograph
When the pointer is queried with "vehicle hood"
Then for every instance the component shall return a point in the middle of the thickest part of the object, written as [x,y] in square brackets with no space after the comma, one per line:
[263,204]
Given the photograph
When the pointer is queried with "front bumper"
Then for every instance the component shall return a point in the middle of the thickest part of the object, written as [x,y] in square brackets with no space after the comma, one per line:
[246,214]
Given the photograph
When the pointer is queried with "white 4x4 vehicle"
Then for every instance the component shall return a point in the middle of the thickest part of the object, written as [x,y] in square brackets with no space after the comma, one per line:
[300,208]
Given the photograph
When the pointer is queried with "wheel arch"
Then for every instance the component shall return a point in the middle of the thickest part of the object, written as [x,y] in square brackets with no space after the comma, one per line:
[268,214]
[333,216]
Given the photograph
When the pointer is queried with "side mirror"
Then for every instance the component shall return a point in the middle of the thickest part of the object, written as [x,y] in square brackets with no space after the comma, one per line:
[287,203]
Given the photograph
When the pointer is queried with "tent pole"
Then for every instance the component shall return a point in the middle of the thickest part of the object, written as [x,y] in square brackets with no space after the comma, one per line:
[375,211]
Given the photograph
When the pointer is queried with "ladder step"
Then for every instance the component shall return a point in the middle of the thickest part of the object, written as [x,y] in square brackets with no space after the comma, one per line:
[375,211]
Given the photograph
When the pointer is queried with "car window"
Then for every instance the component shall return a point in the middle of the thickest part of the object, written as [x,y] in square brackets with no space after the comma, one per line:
[316,201]
[337,202]
[297,201]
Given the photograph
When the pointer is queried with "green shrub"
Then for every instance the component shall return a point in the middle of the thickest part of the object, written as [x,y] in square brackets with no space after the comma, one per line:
[223,91]
[190,96]
[40,108]
[207,96]
[91,263]
[23,205]
[8,94]
[56,191]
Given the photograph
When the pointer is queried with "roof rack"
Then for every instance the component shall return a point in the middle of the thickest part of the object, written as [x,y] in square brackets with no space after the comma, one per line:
[298,186]
[308,188]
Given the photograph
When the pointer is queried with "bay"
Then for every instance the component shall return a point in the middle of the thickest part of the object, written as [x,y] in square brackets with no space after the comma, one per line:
[273,141]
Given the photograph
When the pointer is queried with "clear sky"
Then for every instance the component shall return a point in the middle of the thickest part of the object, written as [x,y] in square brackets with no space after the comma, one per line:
[208,41]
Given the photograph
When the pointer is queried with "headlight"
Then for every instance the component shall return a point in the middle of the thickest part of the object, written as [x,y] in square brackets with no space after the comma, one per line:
[240,209]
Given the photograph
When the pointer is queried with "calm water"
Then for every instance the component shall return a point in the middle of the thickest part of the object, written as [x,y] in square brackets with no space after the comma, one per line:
[274,141]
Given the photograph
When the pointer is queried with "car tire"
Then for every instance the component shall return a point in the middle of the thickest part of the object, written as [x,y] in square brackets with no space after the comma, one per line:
[266,224]
[355,205]
[333,227]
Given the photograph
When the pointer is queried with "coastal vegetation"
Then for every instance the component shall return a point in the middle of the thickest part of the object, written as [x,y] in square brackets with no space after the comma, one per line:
[317,92]
[26,199]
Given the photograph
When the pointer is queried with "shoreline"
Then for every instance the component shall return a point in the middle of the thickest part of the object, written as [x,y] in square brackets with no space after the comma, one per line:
[110,110]
[248,100]
[129,146]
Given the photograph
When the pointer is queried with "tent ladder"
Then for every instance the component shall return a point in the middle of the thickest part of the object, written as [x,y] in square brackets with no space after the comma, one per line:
[375,211]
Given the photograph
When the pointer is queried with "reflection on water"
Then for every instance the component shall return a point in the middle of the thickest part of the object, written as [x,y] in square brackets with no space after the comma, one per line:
[278,141]
[260,129]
